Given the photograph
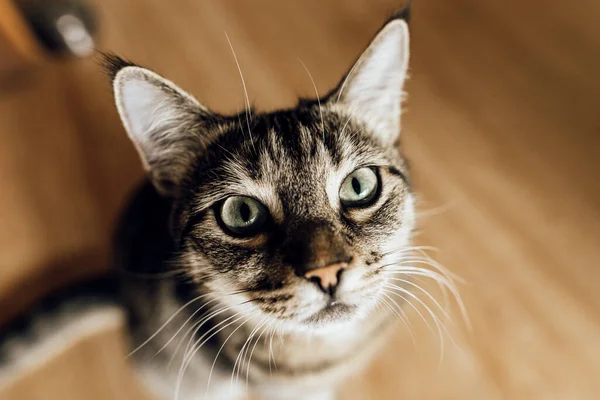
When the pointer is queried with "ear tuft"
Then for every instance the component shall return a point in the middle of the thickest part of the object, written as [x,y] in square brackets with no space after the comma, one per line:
[112,64]
[404,14]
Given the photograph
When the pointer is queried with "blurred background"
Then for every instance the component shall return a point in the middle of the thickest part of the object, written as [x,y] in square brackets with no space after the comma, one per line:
[502,128]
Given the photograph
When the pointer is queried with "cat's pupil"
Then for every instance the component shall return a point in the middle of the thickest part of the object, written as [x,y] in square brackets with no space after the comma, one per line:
[245,212]
[356,185]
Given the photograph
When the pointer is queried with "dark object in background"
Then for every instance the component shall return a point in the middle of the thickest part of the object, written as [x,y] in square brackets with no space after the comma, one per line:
[62,27]
[33,32]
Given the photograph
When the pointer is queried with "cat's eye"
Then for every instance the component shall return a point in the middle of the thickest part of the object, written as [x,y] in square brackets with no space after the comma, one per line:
[360,188]
[243,216]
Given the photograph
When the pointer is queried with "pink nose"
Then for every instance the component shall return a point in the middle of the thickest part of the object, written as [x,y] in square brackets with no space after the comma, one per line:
[327,277]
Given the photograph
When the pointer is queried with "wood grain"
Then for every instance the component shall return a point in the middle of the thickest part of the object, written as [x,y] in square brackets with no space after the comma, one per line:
[502,128]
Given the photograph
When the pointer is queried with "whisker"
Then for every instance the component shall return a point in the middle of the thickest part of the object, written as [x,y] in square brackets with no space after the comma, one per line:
[241,354]
[188,357]
[248,111]
[253,348]
[403,317]
[183,326]
[411,305]
[198,325]
[193,341]
[271,353]
[433,316]
[204,320]
[425,292]
[221,349]
[408,266]
[448,283]
[457,296]
[317,94]
[445,279]
[409,249]
[165,324]
[238,360]
[416,273]
[443,270]
[439,325]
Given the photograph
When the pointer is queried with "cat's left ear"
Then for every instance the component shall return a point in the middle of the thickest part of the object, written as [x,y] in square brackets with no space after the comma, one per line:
[373,89]
[169,128]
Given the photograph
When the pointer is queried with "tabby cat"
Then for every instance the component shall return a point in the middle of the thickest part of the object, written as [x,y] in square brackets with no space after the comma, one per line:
[257,254]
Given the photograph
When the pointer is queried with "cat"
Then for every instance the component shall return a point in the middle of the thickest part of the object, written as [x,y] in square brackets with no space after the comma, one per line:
[257,253]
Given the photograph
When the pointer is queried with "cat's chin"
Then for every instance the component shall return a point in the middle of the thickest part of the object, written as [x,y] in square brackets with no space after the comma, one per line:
[333,316]
[334,312]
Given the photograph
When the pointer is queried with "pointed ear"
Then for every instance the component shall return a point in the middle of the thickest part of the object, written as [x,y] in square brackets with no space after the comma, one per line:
[373,89]
[167,126]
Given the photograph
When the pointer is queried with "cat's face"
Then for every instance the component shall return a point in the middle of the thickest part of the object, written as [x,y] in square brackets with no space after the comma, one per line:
[300,222]
[292,215]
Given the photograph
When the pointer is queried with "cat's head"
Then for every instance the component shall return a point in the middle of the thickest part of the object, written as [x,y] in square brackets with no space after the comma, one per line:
[292,215]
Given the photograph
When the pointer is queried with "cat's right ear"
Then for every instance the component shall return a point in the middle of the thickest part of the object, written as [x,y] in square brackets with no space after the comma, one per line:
[168,127]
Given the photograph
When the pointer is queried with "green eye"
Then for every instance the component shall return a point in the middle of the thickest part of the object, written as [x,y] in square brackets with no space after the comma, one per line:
[359,188]
[242,215]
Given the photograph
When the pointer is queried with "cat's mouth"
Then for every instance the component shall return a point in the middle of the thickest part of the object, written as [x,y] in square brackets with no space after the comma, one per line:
[335,311]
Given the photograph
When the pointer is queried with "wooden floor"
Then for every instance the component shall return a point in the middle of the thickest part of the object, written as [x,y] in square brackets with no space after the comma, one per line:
[502,128]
